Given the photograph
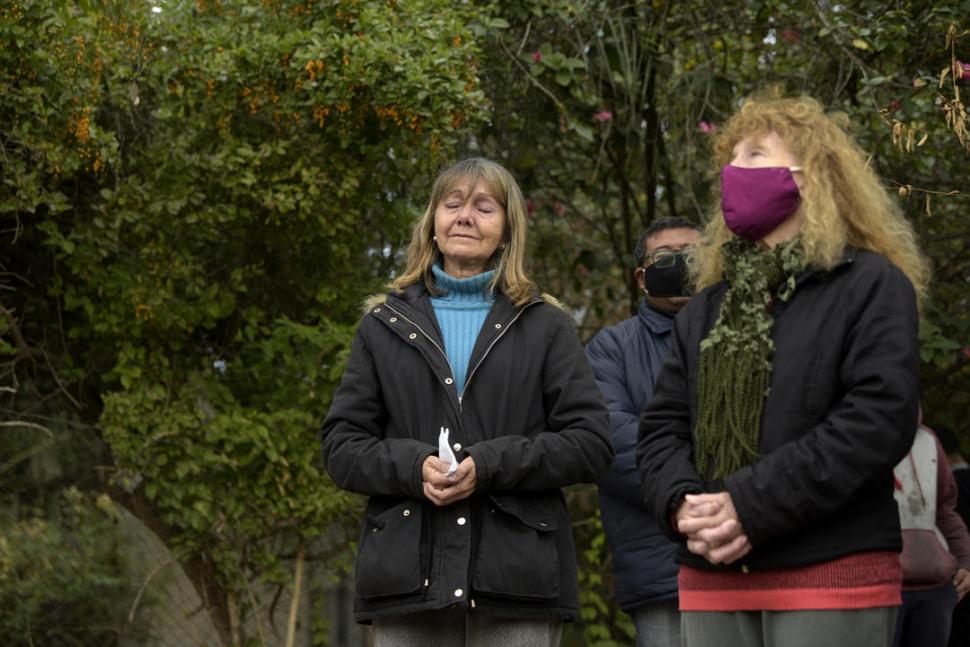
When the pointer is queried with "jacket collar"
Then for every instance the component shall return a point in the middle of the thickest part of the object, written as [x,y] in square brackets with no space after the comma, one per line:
[417,299]
[655,321]
[414,302]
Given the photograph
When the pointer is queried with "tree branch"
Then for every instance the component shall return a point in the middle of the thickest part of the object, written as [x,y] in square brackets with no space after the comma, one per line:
[531,78]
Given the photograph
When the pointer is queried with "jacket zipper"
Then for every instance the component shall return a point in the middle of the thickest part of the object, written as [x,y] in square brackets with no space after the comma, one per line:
[487,350]
[467,380]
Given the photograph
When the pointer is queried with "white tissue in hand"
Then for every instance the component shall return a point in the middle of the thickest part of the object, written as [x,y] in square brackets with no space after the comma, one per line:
[445,453]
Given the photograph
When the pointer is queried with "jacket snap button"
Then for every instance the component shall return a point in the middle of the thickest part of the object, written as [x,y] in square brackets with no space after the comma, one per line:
[543,524]
[461,521]
[498,326]
[456,447]
[393,319]
[448,380]
[413,335]
[407,513]
[376,310]
[458,593]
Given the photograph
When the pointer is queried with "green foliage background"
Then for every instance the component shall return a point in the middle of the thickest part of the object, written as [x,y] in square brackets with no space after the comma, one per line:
[193,202]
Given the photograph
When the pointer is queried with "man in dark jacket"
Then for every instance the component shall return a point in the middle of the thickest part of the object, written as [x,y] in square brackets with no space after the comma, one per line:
[626,360]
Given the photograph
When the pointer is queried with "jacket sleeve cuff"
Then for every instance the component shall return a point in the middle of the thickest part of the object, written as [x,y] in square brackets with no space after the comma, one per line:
[734,484]
[672,531]
[481,468]
[418,479]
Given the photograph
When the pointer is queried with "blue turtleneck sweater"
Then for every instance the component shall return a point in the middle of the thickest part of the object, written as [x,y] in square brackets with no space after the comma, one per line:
[461,311]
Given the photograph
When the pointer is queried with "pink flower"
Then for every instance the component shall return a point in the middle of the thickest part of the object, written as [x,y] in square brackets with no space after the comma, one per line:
[537,56]
[895,104]
[790,35]
[966,352]
[603,116]
[961,71]
[707,128]
[559,208]
[530,207]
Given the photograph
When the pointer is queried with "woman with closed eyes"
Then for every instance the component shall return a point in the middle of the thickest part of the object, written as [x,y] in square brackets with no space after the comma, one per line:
[466,406]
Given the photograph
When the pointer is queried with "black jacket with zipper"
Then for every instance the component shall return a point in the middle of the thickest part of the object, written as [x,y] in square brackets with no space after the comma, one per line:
[840,413]
[530,416]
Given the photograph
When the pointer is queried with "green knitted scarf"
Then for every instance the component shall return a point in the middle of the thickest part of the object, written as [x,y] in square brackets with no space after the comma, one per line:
[735,361]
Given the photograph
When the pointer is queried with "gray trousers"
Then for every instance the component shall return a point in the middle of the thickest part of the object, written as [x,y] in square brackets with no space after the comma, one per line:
[658,624]
[454,628]
[842,627]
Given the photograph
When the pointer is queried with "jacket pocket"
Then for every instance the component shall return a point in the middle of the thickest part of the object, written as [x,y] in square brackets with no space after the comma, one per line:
[389,553]
[924,559]
[517,555]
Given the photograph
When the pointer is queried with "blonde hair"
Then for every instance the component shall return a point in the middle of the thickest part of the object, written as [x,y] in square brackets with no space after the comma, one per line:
[843,202]
[509,260]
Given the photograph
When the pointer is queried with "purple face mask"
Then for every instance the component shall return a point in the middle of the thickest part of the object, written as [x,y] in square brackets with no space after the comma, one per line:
[756,200]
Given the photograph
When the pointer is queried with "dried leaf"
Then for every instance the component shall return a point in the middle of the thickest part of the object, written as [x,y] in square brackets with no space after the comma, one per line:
[898,130]
[922,140]
[929,211]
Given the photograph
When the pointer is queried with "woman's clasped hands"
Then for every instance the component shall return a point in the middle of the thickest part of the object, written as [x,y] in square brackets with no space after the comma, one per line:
[444,489]
[712,527]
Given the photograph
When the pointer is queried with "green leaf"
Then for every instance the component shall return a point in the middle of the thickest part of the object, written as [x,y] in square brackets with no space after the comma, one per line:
[583,131]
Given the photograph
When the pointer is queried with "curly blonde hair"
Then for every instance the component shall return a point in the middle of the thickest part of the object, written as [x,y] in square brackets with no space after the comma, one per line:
[843,202]
[509,260]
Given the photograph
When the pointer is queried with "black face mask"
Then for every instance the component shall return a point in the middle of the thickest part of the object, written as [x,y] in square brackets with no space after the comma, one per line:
[667,281]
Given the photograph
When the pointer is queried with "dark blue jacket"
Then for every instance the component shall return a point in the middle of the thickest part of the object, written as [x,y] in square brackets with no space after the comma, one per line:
[626,360]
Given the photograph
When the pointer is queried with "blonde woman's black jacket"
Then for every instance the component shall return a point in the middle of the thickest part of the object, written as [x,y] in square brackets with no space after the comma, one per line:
[841,412]
[530,416]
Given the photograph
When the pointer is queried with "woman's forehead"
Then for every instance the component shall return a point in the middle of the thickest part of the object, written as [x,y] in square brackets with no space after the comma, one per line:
[466,184]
